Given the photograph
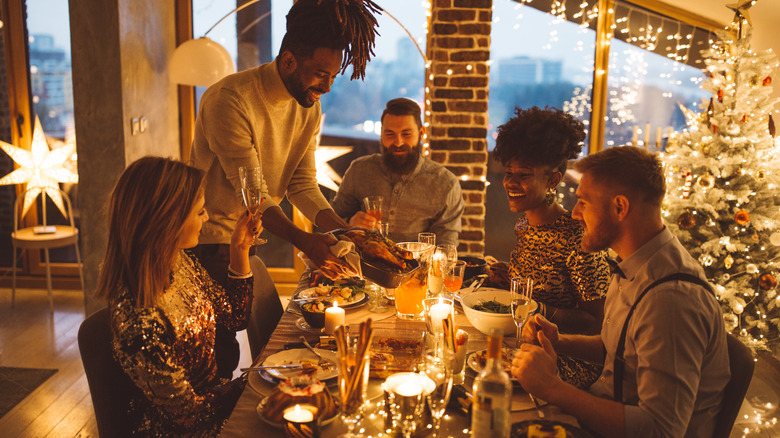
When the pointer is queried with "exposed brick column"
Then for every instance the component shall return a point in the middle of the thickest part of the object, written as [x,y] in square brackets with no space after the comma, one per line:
[456,111]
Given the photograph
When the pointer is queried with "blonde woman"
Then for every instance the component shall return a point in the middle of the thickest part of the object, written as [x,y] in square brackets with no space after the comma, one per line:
[163,305]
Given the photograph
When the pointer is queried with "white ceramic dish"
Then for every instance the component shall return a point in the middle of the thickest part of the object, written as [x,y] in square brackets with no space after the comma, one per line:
[357,300]
[484,321]
[299,356]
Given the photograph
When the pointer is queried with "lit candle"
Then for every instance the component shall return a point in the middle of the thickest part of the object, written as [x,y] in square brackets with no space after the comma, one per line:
[408,389]
[334,317]
[439,312]
[296,414]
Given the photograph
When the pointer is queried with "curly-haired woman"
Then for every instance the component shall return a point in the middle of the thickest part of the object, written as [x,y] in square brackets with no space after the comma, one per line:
[569,284]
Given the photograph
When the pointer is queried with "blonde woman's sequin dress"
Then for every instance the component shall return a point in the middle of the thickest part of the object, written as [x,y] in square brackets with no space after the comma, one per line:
[563,277]
[168,352]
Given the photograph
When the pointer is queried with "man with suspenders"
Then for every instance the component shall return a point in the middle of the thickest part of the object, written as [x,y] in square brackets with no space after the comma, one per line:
[663,340]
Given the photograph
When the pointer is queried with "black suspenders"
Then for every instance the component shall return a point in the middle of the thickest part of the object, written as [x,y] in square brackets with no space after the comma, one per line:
[618,366]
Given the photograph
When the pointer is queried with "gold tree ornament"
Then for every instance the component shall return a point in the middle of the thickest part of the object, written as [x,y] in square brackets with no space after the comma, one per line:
[41,168]
[728,261]
[741,9]
[686,221]
[761,174]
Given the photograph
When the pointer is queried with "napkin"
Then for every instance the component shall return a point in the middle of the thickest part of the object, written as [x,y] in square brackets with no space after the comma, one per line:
[342,249]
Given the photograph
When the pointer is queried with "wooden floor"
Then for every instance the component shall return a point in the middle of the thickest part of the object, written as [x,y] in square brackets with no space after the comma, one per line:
[61,407]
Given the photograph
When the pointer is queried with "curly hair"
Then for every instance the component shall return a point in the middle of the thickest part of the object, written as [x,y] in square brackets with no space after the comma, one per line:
[540,137]
[347,25]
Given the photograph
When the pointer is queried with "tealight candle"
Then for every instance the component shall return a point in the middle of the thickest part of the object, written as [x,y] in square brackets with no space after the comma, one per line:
[334,317]
[408,389]
[301,421]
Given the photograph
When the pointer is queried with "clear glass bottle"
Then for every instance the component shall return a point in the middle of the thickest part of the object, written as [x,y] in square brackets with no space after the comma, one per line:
[492,394]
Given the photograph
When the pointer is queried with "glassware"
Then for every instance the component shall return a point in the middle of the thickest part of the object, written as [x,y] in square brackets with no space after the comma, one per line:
[439,368]
[492,395]
[405,395]
[252,192]
[377,302]
[410,294]
[443,256]
[374,206]
[429,238]
[453,279]
[436,310]
[521,289]
[352,399]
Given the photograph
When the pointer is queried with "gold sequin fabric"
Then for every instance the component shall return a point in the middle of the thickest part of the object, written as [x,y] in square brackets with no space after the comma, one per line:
[563,276]
[168,352]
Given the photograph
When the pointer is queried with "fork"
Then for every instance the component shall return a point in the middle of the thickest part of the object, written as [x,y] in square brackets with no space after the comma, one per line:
[323,363]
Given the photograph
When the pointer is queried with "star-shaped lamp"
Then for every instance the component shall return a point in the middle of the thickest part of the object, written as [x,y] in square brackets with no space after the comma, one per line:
[40,168]
[741,9]
[326,175]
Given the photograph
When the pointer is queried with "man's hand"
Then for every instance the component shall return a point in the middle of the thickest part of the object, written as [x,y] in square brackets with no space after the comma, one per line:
[539,324]
[363,220]
[316,246]
[535,366]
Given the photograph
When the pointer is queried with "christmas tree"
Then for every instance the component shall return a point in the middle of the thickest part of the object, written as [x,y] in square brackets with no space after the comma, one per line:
[723,175]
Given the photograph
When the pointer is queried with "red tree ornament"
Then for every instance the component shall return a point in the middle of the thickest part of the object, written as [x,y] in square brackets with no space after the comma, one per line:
[767,80]
[742,217]
[720,95]
[767,281]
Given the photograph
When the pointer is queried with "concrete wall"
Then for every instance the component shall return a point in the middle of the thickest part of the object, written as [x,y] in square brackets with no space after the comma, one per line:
[119,51]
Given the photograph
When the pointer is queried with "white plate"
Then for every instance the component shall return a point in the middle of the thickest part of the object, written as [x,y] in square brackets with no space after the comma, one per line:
[261,405]
[357,300]
[299,356]
[473,363]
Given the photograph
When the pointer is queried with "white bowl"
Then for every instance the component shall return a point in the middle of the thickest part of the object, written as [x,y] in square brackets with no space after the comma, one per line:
[485,321]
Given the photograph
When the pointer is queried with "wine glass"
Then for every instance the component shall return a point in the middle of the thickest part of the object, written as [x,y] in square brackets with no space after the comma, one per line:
[427,238]
[521,289]
[252,191]
[453,279]
[438,366]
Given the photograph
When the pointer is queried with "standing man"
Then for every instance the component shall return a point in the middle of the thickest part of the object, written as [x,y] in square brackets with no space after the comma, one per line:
[670,377]
[419,194]
[270,116]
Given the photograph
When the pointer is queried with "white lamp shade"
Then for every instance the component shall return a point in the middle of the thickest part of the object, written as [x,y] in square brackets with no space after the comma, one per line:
[200,62]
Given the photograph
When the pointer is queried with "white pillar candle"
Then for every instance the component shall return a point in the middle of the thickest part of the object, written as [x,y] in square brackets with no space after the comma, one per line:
[334,317]
[439,312]
[298,415]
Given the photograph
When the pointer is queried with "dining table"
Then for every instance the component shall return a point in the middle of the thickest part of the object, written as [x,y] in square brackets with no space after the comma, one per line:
[246,419]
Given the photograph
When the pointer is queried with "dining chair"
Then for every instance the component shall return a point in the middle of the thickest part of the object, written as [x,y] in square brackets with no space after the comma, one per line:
[742,364]
[267,308]
[111,389]
[44,236]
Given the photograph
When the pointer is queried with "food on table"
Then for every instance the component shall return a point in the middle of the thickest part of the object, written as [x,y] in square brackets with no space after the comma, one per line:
[299,390]
[546,431]
[338,294]
[507,354]
[392,354]
[316,306]
[377,249]
[492,306]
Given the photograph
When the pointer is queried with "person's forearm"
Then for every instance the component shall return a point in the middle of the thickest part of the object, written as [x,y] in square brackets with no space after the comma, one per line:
[275,221]
[239,260]
[606,417]
[328,220]
[585,347]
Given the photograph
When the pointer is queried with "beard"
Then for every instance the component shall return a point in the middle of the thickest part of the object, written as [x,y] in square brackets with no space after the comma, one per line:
[599,237]
[301,94]
[401,164]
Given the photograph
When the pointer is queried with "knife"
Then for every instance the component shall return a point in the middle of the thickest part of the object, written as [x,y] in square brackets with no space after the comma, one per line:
[271,367]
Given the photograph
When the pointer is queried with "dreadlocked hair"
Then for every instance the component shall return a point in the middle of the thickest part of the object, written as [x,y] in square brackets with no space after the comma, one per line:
[347,25]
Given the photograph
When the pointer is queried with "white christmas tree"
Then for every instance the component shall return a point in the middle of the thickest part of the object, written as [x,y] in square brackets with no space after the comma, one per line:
[723,175]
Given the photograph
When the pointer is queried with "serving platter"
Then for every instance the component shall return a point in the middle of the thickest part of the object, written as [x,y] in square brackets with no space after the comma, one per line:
[358,299]
[300,356]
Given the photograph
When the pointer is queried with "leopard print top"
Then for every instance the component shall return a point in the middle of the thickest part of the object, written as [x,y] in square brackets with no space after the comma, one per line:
[551,255]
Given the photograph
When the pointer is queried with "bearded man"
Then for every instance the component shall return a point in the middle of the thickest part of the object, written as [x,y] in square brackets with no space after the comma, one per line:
[419,195]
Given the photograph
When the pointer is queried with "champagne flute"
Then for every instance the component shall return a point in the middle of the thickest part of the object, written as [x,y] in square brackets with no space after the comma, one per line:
[438,366]
[252,192]
[521,289]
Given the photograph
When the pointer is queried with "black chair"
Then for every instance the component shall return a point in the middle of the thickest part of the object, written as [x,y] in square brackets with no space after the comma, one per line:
[111,389]
[267,308]
[742,364]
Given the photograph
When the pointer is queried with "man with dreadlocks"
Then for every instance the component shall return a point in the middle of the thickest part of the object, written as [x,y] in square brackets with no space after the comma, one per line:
[270,115]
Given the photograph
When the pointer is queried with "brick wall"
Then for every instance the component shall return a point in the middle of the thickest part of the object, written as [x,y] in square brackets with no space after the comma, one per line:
[457,103]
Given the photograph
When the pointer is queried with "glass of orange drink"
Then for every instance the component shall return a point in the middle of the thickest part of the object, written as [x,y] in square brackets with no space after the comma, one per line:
[410,294]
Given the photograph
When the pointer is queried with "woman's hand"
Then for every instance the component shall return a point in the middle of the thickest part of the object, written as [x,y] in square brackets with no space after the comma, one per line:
[247,228]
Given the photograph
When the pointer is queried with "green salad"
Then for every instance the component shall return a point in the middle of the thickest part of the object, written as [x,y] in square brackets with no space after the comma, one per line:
[492,306]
